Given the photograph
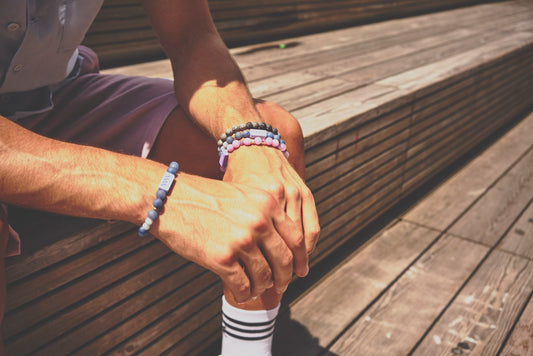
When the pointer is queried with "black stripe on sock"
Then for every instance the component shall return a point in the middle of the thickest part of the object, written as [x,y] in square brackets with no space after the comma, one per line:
[248,331]
[246,337]
[248,324]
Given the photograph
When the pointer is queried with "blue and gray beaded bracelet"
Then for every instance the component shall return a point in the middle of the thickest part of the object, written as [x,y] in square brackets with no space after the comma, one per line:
[161,194]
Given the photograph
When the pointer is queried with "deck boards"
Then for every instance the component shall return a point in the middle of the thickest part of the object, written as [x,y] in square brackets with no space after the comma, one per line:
[453,274]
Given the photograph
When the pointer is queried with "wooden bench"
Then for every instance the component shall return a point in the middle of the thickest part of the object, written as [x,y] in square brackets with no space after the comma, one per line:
[384,108]
[245,21]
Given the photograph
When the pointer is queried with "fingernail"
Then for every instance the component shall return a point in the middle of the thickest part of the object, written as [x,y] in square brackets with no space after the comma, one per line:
[270,285]
[255,298]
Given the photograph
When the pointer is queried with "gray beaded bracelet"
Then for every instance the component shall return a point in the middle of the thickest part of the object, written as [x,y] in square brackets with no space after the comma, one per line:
[159,201]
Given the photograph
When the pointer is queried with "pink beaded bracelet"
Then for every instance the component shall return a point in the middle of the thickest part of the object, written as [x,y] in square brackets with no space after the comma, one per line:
[257,138]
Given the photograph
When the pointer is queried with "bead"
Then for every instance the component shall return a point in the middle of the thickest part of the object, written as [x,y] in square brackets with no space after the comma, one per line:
[223,137]
[246,133]
[286,154]
[174,165]
[220,143]
[152,214]
[269,127]
[282,147]
[275,131]
[229,132]
[229,140]
[157,203]
[238,135]
[281,141]
[172,170]
[145,226]
[255,125]
[275,143]
[268,141]
[161,194]
[236,144]
[148,221]
[141,232]
[235,128]
[270,134]
[263,126]
[242,127]
[231,148]
[249,125]
[247,141]
[277,137]
[225,145]
[258,141]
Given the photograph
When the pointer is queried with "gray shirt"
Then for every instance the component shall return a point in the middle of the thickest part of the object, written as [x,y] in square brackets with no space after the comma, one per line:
[38,44]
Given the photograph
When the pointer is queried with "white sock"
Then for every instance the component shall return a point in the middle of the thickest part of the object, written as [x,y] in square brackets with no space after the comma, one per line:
[247,332]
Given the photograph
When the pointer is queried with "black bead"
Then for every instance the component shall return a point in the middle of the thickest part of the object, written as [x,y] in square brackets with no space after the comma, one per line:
[262,126]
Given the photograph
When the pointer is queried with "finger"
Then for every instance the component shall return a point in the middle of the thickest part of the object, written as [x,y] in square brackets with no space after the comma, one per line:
[237,281]
[258,271]
[281,259]
[311,223]
[293,237]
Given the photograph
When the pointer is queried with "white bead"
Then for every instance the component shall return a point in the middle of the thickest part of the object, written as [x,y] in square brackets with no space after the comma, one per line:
[148,221]
[146,227]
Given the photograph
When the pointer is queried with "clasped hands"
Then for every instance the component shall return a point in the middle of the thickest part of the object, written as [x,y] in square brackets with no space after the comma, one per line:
[288,230]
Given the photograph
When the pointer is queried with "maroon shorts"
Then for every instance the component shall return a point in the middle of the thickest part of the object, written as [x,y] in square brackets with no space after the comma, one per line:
[115,112]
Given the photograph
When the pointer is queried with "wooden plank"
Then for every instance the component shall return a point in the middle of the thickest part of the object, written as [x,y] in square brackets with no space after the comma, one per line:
[19,267]
[39,284]
[161,277]
[416,80]
[78,290]
[140,329]
[448,201]
[325,312]
[169,320]
[399,318]
[495,211]
[482,314]
[520,341]
[519,239]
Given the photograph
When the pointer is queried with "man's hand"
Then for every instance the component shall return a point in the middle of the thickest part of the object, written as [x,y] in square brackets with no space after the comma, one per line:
[239,232]
[266,168]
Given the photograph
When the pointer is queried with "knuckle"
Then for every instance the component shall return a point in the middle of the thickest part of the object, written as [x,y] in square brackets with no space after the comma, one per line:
[243,289]
[278,191]
[287,261]
[225,259]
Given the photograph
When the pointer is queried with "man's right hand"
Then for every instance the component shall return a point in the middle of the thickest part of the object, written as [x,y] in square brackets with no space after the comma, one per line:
[236,231]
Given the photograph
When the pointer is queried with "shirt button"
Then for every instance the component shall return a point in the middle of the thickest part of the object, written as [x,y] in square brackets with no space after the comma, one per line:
[13,26]
[18,68]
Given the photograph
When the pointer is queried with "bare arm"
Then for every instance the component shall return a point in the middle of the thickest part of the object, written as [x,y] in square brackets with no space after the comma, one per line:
[212,90]
[218,225]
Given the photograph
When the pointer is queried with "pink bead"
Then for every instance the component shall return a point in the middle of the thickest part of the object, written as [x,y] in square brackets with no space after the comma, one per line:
[230,148]
[282,147]
[258,141]
[236,144]
[275,143]
[268,141]
[286,154]
[247,141]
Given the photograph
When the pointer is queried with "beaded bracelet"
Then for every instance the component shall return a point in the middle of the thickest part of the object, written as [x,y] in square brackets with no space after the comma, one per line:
[159,201]
[256,137]
[240,131]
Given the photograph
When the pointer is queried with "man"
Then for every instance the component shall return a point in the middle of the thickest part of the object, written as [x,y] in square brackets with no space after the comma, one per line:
[70,140]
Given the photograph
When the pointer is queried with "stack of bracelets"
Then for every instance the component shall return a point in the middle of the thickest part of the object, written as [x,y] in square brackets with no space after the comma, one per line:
[251,133]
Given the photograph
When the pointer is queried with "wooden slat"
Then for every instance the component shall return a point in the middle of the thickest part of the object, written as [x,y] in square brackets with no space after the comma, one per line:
[482,314]
[492,212]
[401,316]
[325,312]
[520,341]
[445,203]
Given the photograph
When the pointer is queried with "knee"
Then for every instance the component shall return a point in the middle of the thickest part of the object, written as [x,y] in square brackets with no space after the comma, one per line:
[288,125]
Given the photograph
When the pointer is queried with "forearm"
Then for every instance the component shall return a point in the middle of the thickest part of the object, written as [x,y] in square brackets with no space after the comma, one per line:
[209,85]
[64,178]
